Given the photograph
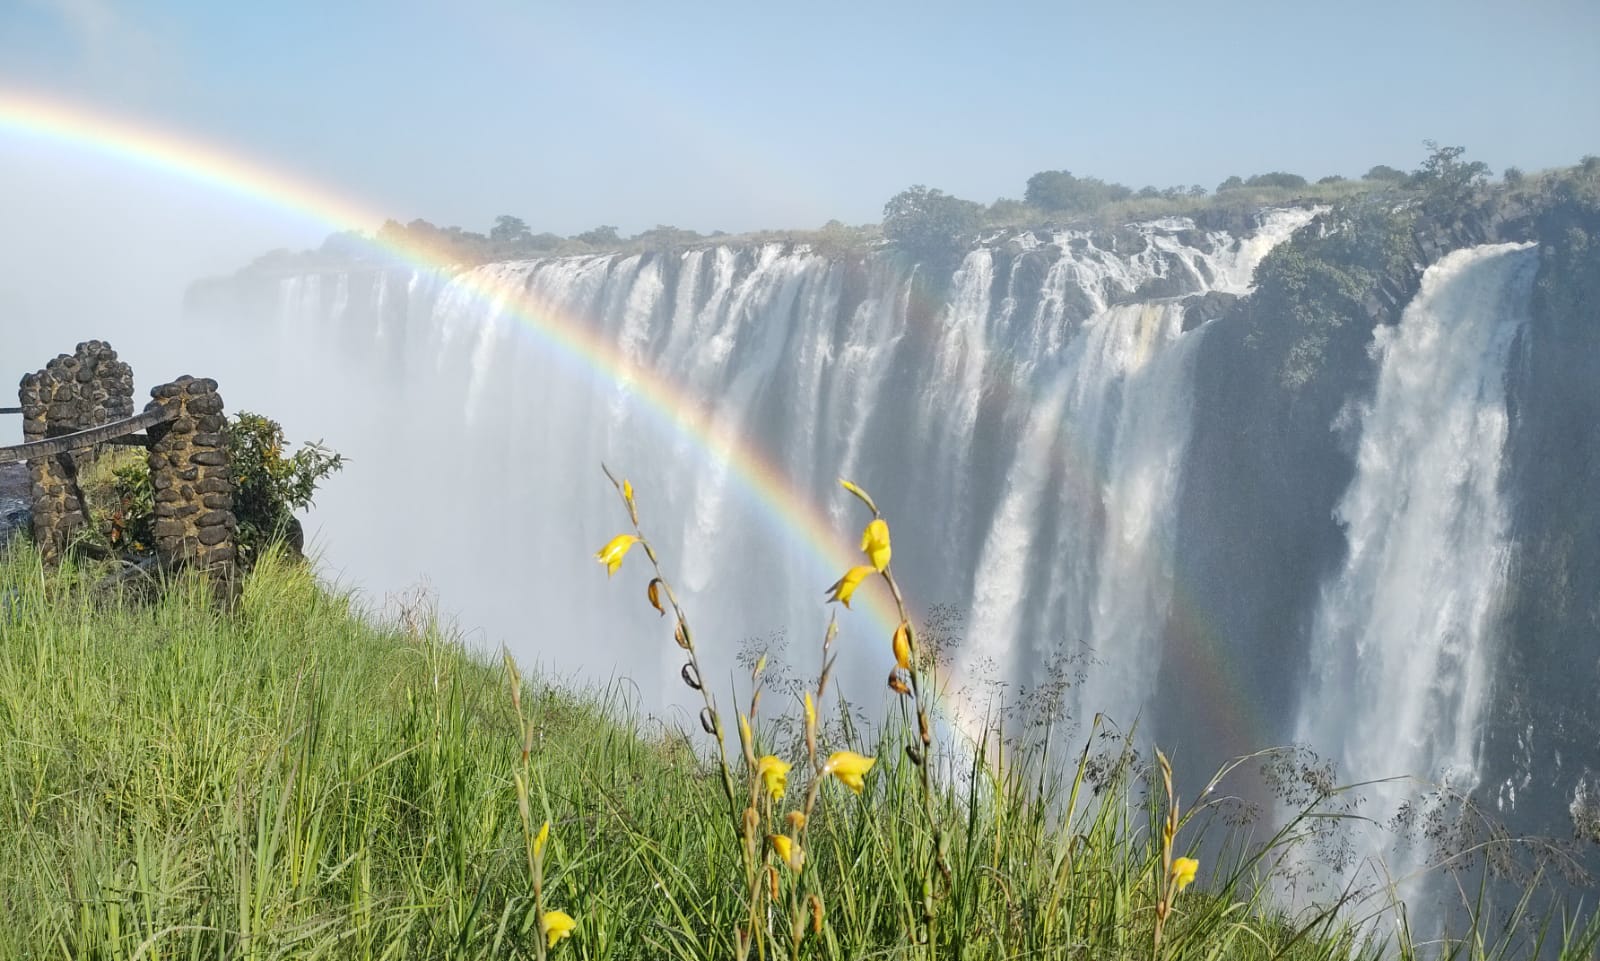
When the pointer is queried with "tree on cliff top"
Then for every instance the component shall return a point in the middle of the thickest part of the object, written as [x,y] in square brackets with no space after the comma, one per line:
[931,225]
[1059,190]
[1448,182]
[509,230]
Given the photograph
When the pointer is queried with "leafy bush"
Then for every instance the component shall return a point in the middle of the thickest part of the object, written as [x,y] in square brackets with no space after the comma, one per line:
[1059,190]
[931,224]
[268,487]
[1277,178]
[1448,182]
[1385,174]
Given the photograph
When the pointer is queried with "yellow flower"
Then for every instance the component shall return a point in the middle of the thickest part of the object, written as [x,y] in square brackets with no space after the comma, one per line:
[540,839]
[902,646]
[556,925]
[846,585]
[774,774]
[849,767]
[1182,872]
[875,541]
[615,550]
[788,852]
[811,713]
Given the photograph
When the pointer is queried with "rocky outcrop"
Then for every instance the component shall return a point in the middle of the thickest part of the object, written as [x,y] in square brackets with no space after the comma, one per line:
[1207,307]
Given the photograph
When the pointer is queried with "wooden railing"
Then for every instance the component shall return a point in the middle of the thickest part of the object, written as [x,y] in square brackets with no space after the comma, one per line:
[122,432]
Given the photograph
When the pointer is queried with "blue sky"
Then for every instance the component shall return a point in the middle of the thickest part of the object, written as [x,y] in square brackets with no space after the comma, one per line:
[738,115]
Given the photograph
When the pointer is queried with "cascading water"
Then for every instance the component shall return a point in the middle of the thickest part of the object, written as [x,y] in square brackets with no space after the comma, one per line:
[1025,432]
[1404,637]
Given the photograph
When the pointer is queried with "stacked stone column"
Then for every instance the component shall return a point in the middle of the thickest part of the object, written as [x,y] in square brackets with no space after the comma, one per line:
[108,389]
[74,392]
[194,520]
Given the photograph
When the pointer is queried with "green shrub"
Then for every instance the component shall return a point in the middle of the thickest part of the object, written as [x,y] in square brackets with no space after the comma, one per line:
[269,486]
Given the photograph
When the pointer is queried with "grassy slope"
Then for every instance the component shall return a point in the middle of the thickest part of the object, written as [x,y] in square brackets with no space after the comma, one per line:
[291,782]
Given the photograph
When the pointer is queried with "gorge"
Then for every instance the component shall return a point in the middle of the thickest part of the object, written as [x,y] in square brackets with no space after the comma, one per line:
[1339,500]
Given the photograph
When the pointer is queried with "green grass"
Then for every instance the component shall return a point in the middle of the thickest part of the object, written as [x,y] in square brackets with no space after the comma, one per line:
[290,781]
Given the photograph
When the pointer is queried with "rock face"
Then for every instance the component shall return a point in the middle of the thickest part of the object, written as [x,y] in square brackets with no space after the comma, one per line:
[189,474]
[1542,739]
[1207,307]
[1269,459]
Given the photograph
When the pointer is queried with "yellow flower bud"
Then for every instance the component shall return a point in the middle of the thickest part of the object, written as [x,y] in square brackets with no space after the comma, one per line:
[902,646]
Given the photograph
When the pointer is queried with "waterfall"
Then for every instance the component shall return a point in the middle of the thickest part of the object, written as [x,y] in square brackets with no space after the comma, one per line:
[1024,430]
[1403,640]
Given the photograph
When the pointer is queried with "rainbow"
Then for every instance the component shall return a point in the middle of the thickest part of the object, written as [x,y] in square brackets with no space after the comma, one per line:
[795,512]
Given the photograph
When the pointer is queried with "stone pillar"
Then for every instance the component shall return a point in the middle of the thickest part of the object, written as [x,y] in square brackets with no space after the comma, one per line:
[108,386]
[74,392]
[52,405]
[194,521]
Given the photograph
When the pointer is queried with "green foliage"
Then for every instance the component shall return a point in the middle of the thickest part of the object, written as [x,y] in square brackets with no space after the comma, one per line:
[269,486]
[291,781]
[1513,176]
[932,225]
[666,237]
[1448,183]
[1277,179]
[509,230]
[1386,174]
[1232,183]
[1314,286]
[1060,191]
[1008,211]
[602,236]
[130,526]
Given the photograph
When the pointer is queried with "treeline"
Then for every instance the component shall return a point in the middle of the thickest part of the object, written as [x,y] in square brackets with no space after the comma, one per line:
[931,225]
[510,238]
[938,228]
